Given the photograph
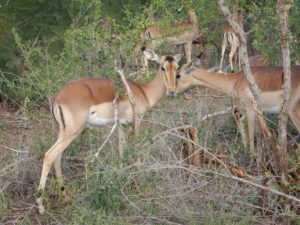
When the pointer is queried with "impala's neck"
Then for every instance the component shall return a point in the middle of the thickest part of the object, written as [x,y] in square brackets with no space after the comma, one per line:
[155,90]
[220,82]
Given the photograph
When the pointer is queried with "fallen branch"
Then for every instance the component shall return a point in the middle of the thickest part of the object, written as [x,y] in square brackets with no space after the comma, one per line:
[160,135]
[194,156]
[223,112]
[11,149]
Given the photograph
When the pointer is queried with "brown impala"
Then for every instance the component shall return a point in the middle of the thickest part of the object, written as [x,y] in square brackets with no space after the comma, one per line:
[89,101]
[268,79]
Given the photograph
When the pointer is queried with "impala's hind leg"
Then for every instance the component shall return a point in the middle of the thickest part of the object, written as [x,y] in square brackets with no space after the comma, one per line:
[224,44]
[51,155]
[251,130]
[233,49]
[57,167]
[70,125]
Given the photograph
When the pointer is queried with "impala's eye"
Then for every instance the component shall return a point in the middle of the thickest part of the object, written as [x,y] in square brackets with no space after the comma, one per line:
[178,76]
[177,69]
[163,69]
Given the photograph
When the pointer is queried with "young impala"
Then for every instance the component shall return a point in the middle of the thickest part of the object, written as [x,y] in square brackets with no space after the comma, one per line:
[268,79]
[89,101]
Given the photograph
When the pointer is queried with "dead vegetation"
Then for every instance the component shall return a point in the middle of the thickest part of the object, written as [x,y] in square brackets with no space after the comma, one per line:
[181,180]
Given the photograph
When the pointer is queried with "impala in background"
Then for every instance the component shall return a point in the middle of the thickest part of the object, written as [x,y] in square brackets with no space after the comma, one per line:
[180,33]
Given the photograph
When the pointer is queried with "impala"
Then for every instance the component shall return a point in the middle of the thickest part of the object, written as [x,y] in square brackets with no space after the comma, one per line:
[183,32]
[89,101]
[257,60]
[268,79]
[230,38]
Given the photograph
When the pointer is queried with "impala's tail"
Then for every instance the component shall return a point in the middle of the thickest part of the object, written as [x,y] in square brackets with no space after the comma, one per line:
[58,115]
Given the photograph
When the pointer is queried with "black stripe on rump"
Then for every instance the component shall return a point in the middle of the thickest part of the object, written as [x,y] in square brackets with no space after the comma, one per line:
[51,110]
[62,117]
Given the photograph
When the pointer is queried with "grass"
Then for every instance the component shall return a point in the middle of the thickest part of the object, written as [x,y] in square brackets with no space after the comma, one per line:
[162,190]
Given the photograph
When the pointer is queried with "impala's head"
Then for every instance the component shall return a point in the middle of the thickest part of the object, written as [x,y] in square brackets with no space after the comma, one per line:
[184,77]
[192,17]
[168,68]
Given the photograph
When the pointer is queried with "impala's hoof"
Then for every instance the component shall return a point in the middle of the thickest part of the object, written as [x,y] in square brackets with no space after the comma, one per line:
[41,210]
[39,202]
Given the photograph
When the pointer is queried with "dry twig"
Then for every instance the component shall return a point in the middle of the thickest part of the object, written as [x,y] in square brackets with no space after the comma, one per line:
[131,99]
[115,104]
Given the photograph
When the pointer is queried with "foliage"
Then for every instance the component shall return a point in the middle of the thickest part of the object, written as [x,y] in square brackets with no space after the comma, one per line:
[266,31]
[44,44]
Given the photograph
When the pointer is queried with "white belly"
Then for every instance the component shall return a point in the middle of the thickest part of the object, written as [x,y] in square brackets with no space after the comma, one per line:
[96,121]
[271,101]
[275,110]
[103,114]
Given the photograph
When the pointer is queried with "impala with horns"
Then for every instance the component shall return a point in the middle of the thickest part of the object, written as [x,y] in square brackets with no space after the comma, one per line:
[268,79]
[89,101]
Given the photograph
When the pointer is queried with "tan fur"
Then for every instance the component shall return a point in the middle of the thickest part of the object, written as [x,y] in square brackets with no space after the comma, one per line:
[229,37]
[90,101]
[187,32]
[269,80]
[257,60]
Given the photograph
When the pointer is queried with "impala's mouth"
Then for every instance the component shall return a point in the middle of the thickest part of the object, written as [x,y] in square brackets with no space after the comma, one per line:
[172,94]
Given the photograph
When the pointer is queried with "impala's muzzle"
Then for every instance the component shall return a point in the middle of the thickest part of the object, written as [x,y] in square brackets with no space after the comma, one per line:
[172,94]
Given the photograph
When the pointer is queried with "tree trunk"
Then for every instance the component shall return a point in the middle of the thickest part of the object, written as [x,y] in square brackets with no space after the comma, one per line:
[283,10]
[251,82]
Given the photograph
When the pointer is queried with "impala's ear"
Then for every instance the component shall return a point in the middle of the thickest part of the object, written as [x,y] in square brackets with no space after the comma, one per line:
[151,55]
[192,65]
[178,57]
[196,60]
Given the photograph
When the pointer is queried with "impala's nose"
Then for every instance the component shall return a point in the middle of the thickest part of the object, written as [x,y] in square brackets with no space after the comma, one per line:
[172,94]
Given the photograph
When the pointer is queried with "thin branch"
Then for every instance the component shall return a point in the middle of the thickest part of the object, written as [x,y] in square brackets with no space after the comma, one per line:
[11,149]
[200,148]
[115,105]
[131,98]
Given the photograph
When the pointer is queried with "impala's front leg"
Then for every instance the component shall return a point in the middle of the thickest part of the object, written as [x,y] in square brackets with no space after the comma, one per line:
[251,129]
[188,51]
[137,125]
[239,119]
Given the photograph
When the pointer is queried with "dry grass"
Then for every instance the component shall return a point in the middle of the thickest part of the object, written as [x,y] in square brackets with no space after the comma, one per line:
[161,190]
